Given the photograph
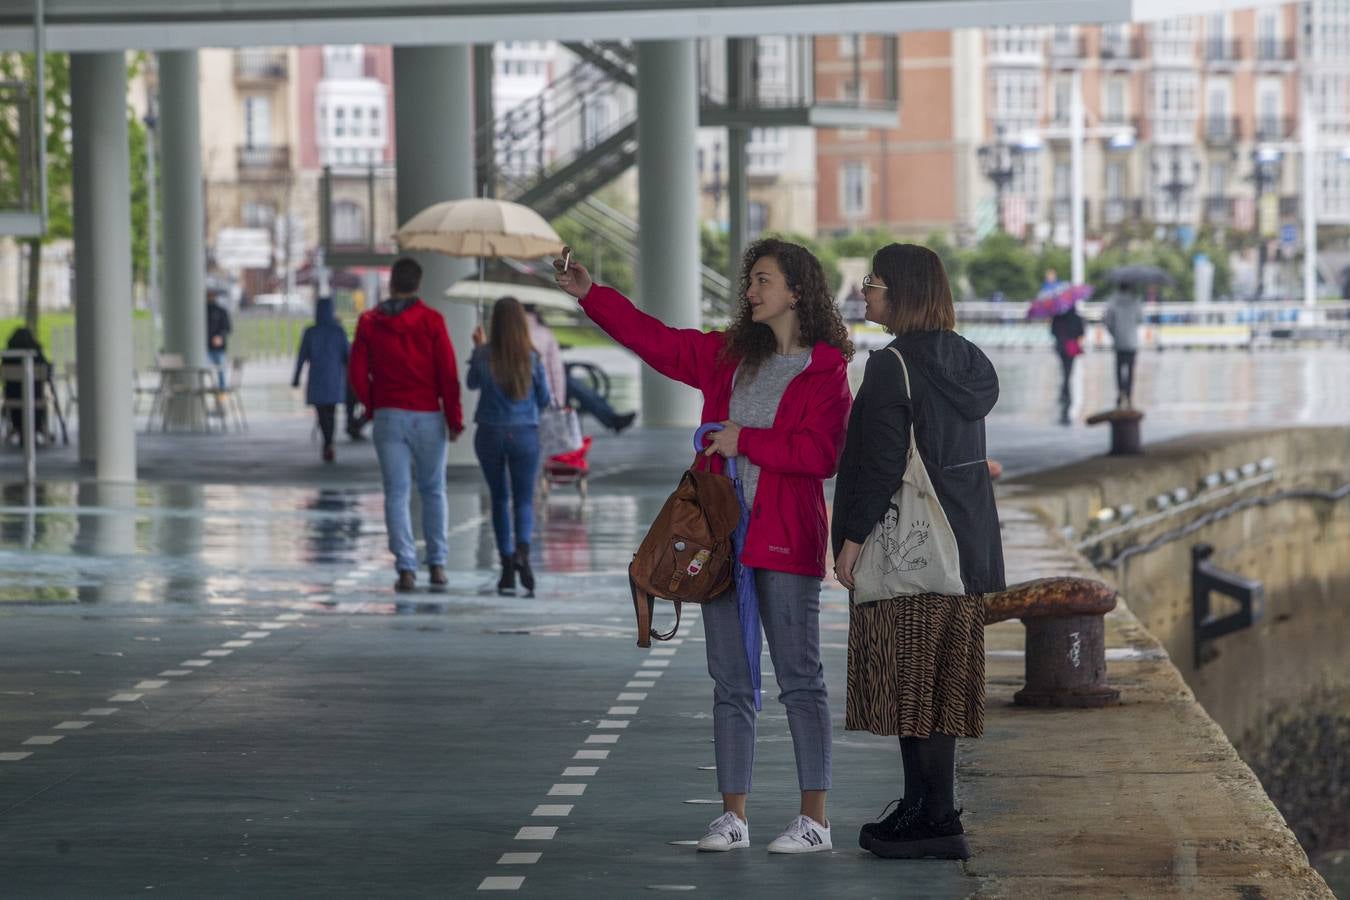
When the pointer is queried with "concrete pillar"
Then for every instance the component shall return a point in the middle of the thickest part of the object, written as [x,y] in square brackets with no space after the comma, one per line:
[668,245]
[485,147]
[740,88]
[184,300]
[102,209]
[433,120]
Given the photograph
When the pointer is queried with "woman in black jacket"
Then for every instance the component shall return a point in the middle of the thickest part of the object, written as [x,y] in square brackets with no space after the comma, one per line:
[916,663]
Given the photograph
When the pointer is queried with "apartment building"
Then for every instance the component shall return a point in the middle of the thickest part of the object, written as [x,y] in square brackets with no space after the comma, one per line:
[1187,122]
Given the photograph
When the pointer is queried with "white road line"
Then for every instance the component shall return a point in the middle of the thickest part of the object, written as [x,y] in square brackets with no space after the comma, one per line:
[217,653]
[14,757]
[553,810]
[622,711]
[195,663]
[591,754]
[174,673]
[71,725]
[640,684]
[501,883]
[567,790]
[602,739]
[274,626]
[632,697]
[675,642]
[101,711]
[655,663]
[664,651]
[237,644]
[255,635]
[519,859]
[648,673]
[149,685]
[580,771]
[612,723]
[345,583]
[537,833]
[43,740]
[124,698]
[290,617]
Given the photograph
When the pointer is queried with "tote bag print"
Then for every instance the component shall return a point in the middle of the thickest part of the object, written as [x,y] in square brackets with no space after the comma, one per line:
[559,430]
[912,550]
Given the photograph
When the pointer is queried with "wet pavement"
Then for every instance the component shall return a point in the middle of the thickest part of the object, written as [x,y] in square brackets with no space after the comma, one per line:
[208,688]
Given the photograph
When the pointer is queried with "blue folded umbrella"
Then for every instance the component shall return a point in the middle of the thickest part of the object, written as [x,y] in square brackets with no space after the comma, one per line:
[747,596]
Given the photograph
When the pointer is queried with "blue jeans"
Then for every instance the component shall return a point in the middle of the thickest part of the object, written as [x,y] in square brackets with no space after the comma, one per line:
[591,402]
[509,455]
[412,444]
[789,612]
[217,358]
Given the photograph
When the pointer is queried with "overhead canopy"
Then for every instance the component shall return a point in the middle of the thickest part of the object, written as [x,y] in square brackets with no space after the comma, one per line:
[94,25]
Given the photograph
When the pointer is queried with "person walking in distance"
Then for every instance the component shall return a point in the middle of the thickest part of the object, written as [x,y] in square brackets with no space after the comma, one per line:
[403,369]
[324,347]
[1124,315]
[916,661]
[776,380]
[1067,330]
[218,328]
[515,387]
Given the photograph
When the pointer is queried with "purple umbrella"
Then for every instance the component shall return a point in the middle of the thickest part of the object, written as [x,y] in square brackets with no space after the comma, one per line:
[1061,298]
[747,597]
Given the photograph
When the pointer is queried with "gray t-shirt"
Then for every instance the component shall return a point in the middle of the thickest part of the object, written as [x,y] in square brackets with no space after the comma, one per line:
[754,403]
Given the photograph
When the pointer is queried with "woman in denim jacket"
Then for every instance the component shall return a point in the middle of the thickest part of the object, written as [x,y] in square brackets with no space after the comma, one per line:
[507,370]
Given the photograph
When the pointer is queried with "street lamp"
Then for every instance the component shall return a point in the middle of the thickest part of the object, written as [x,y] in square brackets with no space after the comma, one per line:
[1266,163]
[1176,187]
[996,162]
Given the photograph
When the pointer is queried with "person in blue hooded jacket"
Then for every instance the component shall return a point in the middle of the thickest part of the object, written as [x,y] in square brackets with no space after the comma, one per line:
[324,346]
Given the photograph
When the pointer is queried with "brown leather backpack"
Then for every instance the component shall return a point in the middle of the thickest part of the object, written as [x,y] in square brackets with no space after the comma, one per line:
[686,557]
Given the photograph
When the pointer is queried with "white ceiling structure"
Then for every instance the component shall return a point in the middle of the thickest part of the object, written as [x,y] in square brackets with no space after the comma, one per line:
[100,25]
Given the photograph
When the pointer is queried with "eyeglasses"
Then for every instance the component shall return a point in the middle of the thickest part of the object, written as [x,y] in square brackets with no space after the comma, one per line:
[870,281]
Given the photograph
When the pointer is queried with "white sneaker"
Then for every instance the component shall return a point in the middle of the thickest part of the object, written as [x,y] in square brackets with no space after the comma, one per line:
[726,832]
[803,835]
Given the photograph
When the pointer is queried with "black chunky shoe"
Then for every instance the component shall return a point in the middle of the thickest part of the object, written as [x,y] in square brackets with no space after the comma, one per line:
[922,839]
[506,585]
[522,561]
[900,817]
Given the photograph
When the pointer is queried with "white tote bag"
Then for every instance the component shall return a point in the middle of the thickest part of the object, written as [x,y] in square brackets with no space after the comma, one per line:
[912,550]
[559,430]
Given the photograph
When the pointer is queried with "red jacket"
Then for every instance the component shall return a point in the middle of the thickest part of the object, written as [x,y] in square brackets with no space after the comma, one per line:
[788,528]
[405,361]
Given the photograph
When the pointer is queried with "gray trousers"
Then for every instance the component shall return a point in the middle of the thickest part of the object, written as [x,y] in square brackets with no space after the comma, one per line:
[789,611]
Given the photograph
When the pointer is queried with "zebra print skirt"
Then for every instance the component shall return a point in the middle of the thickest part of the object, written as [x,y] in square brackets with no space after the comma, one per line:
[916,666]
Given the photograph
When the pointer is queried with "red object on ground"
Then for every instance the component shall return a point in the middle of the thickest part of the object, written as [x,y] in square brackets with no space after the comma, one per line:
[571,463]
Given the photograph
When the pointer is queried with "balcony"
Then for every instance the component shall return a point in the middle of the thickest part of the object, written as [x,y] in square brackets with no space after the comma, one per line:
[1062,208]
[1275,50]
[1173,129]
[1222,130]
[263,162]
[1068,49]
[1121,50]
[1117,122]
[1120,209]
[259,66]
[1274,128]
[1171,51]
[1220,51]
[1219,210]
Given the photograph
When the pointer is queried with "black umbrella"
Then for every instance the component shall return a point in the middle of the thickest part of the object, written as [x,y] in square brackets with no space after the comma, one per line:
[1140,276]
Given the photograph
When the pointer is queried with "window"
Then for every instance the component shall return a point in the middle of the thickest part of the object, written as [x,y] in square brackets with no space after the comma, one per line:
[1116,41]
[1115,180]
[1017,95]
[1018,40]
[849,45]
[1269,111]
[257,121]
[1218,179]
[854,184]
[1268,34]
[349,223]
[757,220]
[339,122]
[258,215]
[1174,39]
[1063,179]
[1115,100]
[1063,97]
[1174,104]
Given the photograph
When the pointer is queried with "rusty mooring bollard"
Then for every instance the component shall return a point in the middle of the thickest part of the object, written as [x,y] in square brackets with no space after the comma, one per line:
[1066,639]
[1125,432]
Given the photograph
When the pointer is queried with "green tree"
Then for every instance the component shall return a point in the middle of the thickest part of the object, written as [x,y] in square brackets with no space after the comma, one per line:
[952,260]
[1001,264]
[604,262]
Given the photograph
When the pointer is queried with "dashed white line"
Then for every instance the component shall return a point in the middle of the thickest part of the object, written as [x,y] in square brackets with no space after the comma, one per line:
[622,711]
[632,697]
[537,833]
[101,711]
[44,740]
[612,723]
[274,626]
[289,617]
[124,698]
[552,810]
[664,651]
[567,790]
[519,859]
[14,757]
[501,883]
[580,771]
[195,663]
[255,635]
[217,653]
[602,739]
[237,644]
[640,684]
[71,725]
[173,673]
[655,663]
[152,685]
[591,754]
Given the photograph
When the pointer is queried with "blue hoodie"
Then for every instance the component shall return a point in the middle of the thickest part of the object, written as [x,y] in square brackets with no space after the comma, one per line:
[324,347]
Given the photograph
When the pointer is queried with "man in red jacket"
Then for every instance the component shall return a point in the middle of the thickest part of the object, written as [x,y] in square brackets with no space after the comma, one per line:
[403,370]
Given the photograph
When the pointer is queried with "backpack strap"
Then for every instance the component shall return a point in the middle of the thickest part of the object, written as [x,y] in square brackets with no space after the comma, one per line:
[676,627]
[644,604]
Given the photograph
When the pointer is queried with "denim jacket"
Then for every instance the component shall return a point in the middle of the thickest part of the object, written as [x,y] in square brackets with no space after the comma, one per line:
[494,406]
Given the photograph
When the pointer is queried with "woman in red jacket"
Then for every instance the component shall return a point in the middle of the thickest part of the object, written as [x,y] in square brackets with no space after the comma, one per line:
[777,382]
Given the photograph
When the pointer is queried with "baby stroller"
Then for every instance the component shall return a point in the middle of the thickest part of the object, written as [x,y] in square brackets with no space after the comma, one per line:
[566,468]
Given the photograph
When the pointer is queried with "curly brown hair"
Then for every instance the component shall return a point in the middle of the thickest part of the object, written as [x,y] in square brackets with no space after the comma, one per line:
[753,342]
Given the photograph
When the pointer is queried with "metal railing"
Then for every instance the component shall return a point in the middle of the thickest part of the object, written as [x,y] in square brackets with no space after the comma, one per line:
[273,159]
[260,64]
[29,409]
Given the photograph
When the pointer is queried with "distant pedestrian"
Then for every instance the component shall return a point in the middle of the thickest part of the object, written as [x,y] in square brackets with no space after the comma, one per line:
[563,389]
[324,347]
[24,339]
[1124,315]
[916,661]
[403,370]
[218,328]
[1051,281]
[514,384]
[1067,329]
[777,382]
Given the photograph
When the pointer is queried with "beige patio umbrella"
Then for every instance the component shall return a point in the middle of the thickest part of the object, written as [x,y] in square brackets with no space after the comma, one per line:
[482,228]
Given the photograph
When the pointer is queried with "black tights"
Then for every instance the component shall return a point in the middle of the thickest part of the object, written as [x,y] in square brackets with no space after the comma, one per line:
[930,774]
[327,414]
